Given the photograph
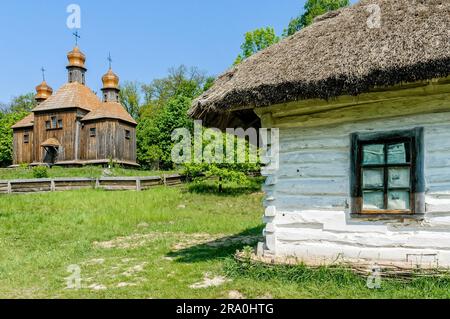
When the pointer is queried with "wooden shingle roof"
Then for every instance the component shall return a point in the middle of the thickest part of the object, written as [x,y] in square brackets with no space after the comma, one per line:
[110,110]
[25,122]
[71,95]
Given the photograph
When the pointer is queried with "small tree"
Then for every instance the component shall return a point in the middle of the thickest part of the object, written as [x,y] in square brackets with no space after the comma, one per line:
[226,174]
[7,120]
[313,9]
[255,41]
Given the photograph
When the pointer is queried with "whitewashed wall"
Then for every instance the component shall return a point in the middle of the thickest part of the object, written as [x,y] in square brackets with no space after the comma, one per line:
[308,198]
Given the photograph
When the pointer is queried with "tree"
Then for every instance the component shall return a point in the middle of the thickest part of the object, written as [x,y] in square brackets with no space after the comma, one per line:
[255,41]
[166,104]
[130,98]
[7,120]
[313,9]
[10,114]
[22,103]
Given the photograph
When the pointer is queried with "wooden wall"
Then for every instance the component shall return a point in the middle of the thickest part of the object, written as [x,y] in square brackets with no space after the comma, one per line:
[66,136]
[126,148]
[109,142]
[308,198]
[22,152]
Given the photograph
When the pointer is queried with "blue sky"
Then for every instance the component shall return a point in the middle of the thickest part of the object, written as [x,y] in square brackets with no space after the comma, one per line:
[145,38]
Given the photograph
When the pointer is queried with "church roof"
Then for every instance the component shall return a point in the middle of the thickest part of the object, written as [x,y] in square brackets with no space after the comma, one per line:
[110,110]
[70,95]
[27,121]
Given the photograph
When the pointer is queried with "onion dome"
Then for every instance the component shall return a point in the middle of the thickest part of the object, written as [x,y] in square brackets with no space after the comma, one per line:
[110,80]
[76,58]
[43,92]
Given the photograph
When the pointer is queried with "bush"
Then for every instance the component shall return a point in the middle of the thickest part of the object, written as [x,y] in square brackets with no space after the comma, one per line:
[40,172]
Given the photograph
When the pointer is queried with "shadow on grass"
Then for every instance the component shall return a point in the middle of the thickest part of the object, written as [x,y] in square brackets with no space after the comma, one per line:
[218,248]
[228,189]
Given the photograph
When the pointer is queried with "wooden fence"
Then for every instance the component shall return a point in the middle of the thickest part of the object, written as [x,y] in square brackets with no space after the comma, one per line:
[22,186]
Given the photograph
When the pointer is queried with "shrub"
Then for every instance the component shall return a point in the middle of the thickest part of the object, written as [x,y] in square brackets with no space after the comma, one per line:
[40,172]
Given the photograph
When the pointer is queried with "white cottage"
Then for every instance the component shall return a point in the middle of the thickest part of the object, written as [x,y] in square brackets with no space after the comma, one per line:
[362,102]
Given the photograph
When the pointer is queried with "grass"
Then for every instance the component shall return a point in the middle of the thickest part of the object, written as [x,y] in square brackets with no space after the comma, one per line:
[85,171]
[156,244]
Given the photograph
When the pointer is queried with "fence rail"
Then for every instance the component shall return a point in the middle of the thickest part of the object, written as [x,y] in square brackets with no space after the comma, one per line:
[21,186]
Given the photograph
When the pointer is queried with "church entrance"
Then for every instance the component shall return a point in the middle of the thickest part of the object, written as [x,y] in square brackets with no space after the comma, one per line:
[51,154]
[51,148]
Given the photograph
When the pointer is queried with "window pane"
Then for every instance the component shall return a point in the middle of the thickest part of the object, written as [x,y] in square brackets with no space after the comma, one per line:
[398,200]
[399,177]
[373,178]
[373,154]
[373,200]
[398,153]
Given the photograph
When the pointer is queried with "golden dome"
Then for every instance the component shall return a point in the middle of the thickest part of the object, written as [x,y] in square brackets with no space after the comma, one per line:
[43,91]
[110,80]
[76,58]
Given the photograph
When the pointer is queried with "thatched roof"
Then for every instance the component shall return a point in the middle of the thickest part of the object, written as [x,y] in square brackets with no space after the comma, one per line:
[337,55]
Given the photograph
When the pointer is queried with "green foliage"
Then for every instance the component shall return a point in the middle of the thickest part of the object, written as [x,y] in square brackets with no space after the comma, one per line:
[7,120]
[23,103]
[291,273]
[167,102]
[224,175]
[10,114]
[313,9]
[40,172]
[130,98]
[255,41]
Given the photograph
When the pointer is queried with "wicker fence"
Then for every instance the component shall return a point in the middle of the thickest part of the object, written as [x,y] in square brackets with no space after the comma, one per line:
[22,186]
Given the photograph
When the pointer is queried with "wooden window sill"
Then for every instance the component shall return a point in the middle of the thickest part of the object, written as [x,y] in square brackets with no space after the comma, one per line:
[401,217]
[386,212]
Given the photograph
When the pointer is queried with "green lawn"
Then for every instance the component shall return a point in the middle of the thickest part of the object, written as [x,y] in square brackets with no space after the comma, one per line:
[86,171]
[157,244]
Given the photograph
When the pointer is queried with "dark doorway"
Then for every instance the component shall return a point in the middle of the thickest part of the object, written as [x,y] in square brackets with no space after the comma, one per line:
[51,154]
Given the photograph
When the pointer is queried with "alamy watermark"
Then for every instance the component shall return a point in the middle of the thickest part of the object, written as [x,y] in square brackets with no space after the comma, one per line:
[74,280]
[74,18]
[374,20]
[237,146]
[374,280]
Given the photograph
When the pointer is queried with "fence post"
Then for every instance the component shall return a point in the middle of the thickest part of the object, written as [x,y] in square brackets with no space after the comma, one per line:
[138,184]
[164,180]
[9,188]
[97,183]
[52,185]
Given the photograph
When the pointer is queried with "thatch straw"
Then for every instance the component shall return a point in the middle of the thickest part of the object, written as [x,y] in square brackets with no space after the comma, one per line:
[338,55]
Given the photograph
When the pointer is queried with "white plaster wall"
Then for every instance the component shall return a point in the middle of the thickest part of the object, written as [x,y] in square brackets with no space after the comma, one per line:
[308,198]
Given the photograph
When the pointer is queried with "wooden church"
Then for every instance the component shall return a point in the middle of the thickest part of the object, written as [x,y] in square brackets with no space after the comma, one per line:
[73,126]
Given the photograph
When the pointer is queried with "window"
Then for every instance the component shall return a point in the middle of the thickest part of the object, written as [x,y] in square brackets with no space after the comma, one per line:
[26,138]
[93,132]
[60,124]
[387,172]
[48,125]
[127,134]
[54,122]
